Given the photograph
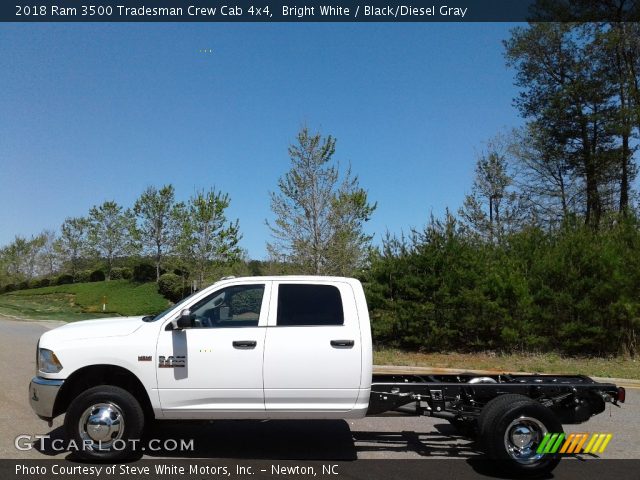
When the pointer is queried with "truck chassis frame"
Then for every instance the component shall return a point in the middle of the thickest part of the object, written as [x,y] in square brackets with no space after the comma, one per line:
[573,398]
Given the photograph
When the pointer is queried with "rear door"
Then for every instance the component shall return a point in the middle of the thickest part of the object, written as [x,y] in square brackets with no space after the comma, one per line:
[312,360]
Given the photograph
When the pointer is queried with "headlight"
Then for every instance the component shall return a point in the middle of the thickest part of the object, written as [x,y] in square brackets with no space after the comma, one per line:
[48,362]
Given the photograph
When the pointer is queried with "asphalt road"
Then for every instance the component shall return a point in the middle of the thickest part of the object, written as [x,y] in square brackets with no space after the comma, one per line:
[375,438]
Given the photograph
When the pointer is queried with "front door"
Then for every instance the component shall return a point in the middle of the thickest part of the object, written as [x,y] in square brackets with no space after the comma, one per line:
[215,367]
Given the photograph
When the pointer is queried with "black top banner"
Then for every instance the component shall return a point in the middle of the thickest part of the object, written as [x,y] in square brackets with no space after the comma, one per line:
[310,11]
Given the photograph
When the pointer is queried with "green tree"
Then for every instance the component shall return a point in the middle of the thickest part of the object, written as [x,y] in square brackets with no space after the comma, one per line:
[15,259]
[73,243]
[319,216]
[22,258]
[543,177]
[493,207]
[207,237]
[566,92]
[158,224]
[112,233]
[32,256]
[49,256]
[615,47]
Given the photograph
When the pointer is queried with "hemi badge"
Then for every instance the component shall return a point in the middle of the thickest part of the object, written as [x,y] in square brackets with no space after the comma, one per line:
[144,358]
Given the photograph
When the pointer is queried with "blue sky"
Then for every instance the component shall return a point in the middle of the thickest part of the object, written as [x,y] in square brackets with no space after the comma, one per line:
[98,112]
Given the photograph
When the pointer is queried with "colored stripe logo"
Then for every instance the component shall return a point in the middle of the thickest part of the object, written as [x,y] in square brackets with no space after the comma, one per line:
[574,443]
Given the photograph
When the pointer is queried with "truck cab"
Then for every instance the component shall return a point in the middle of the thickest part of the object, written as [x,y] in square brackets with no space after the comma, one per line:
[266,348]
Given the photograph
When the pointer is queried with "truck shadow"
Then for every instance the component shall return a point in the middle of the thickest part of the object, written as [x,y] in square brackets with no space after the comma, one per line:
[286,440]
[259,440]
[232,439]
[443,441]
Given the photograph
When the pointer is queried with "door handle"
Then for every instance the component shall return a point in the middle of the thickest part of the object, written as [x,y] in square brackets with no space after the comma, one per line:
[246,344]
[342,343]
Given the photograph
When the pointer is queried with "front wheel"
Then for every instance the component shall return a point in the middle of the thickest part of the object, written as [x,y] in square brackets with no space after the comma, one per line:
[513,432]
[104,423]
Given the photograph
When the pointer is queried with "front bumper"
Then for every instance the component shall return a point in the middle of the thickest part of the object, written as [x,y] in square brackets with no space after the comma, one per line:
[42,396]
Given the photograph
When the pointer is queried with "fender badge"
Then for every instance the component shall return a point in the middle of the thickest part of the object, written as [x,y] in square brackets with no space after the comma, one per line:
[144,358]
[178,361]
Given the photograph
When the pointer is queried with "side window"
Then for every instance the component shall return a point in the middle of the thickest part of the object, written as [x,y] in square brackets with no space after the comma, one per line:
[302,305]
[237,306]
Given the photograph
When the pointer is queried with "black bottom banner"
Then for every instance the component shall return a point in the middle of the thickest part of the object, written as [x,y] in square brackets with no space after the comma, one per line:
[194,469]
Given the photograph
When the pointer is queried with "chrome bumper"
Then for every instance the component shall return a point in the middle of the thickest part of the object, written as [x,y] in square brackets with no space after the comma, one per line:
[42,396]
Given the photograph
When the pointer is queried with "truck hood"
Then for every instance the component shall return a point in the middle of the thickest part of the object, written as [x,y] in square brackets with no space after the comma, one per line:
[100,328]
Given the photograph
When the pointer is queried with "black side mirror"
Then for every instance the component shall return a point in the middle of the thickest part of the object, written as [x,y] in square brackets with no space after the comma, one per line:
[185,320]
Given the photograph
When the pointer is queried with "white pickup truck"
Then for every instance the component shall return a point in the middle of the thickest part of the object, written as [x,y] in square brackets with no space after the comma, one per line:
[279,347]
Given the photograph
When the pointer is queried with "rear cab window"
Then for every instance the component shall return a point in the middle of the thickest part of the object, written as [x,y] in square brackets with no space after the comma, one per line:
[309,305]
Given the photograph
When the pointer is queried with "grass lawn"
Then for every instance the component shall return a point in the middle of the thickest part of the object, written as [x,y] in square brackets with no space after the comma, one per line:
[81,301]
[617,367]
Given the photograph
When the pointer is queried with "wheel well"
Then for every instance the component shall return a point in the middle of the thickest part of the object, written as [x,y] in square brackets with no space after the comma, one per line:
[94,375]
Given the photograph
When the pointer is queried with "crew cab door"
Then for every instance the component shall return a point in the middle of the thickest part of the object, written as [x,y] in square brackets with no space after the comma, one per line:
[215,367]
[312,360]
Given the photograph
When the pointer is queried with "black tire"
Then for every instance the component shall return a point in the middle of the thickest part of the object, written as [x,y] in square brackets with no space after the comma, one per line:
[500,422]
[495,407]
[109,412]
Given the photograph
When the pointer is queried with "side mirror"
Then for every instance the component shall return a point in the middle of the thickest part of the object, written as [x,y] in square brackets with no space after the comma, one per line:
[184,320]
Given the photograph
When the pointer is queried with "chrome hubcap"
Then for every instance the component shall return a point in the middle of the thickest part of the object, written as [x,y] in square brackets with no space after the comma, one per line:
[100,425]
[522,437]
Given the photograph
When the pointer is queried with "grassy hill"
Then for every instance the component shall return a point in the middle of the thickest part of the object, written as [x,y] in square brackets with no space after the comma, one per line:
[81,301]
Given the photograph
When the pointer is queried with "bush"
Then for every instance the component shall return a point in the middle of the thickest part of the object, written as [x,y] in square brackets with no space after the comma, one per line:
[97,276]
[121,273]
[64,279]
[170,286]
[144,272]
[83,276]
[10,287]
[23,285]
[39,282]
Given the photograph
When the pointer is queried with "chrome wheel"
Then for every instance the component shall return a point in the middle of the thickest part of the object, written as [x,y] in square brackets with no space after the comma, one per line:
[522,438]
[101,425]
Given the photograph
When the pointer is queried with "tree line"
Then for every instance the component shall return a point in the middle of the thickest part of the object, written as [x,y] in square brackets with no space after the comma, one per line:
[189,236]
[318,229]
